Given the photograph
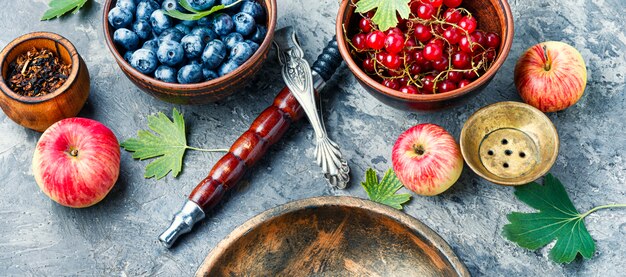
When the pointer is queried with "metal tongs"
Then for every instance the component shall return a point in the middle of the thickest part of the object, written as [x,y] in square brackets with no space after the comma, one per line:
[299,79]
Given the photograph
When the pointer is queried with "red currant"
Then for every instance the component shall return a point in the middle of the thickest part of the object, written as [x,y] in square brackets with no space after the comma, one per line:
[446,86]
[404,81]
[394,43]
[418,57]
[415,69]
[410,43]
[365,25]
[435,3]
[380,57]
[441,64]
[422,32]
[452,35]
[467,45]
[376,40]
[425,11]
[409,89]
[468,23]
[439,42]
[392,61]
[479,37]
[455,76]
[395,73]
[359,42]
[452,15]
[461,60]
[368,65]
[394,30]
[464,83]
[490,54]
[452,3]
[471,75]
[429,83]
[392,84]
[493,40]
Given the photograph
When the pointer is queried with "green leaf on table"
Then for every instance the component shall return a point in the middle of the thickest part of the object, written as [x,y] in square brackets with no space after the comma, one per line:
[61,7]
[387,11]
[384,192]
[557,219]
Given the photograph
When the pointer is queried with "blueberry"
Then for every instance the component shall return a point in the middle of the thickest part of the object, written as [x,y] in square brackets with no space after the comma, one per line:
[144,60]
[120,18]
[201,5]
[259,34]
[209,74]
[232,39]
[204,33]
[214,53]
[190,23]
[142,28]
[170,53]
[253,45]
[254,9]
[189,74]
[146,8]
[152,44]
[193,46]
[166,74]
[205,21]
[227,67]
[241,53]
[244,24]
[183,28]
[171,34]
[125,38]
[160,22]
[171,5]
[128,5]
[223,24]
[230,2]
[128,55]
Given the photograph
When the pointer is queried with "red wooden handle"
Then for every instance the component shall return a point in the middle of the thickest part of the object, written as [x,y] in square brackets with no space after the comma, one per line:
[266,130]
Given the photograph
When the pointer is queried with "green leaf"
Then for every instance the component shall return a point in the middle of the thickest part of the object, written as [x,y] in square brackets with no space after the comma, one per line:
[168,143]
[557,219]
[195,14]
[61,7]
[386,11]
[385,191]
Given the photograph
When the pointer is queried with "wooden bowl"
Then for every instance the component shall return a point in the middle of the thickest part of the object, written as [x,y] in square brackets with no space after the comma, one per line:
[38,113]
[332,236]
[200,93]
[509,143]
[493,16]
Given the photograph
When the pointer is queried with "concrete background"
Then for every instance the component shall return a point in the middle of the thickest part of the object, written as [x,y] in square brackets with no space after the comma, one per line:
[119,235]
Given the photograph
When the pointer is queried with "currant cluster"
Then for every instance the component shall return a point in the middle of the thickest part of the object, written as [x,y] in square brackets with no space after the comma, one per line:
[437,49]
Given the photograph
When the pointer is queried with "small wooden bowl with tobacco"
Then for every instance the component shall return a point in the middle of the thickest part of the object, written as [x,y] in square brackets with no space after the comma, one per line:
[43,80]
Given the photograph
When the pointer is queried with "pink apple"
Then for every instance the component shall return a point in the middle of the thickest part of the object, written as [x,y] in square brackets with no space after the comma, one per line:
[427,160]
[77,162]
[551,76]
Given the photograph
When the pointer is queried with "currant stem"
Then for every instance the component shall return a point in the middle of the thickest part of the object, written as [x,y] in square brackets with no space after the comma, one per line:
[610,206]
[207,150]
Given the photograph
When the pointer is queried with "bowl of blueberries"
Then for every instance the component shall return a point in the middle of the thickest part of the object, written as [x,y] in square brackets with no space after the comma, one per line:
[189,51]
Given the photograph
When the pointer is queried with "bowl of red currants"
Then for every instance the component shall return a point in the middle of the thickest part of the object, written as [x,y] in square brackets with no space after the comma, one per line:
[437,56]
[189,51]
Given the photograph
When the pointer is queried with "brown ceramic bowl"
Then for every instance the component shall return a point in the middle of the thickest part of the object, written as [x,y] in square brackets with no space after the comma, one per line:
[493,16]
[332,236]
[200,93]
[38,113]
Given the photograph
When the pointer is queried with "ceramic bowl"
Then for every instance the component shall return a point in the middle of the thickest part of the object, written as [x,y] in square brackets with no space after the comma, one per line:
[200,93]
[38,113]
[493,16]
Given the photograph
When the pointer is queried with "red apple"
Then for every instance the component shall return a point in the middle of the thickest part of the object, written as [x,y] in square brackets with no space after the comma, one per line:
[551,76]
[77,162]
[427,160]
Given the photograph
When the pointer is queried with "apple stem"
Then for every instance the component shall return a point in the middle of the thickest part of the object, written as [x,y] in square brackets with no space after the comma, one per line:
[419,150]
[548,62]
[74,153]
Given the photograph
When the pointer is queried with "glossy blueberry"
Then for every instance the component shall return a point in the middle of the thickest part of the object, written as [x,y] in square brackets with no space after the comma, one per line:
[254,9]
[146,8]
[241,53]
[205,33]
[190,74]
[171,5]
[230,2]
[170,53]
[209,74]
[193,46]
[259,34]
[253,45]
[223,24]
[244,24]
[128,55]
[201,5]
[125,38]
[227,67]
[166,74]
[190,23]
[144,60]
[160,22]
[214,54]
[206,21]
[128,5]
[120,18]
[142,28]
[183,28]
[152,45]
[232,39]
[171,34]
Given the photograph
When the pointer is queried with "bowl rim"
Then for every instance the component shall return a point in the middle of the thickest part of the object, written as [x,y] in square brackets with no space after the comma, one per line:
[529,178]
[482,80]
[182,89]
[59,40]
[404,219]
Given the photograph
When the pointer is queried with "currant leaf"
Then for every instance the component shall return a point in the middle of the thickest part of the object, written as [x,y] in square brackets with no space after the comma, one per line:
[386,11]
[61,7]
[384,192]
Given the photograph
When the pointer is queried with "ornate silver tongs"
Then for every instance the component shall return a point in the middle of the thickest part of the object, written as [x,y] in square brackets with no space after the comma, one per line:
[299,78]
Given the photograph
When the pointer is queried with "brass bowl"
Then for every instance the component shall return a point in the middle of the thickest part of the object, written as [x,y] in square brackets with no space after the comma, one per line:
[509,143]
[332,236]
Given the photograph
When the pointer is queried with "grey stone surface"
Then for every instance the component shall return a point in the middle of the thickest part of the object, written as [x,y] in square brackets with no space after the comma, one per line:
[119,235]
